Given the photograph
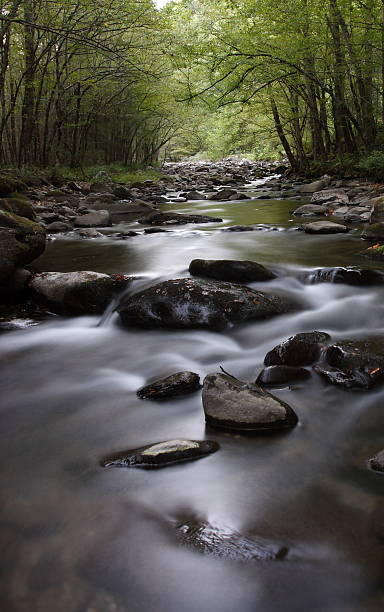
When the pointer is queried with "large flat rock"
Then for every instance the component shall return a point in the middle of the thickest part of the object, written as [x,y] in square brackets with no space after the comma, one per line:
[232,404]
[195,303]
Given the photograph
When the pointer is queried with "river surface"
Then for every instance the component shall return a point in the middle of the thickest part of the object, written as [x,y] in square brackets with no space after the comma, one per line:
[79,538]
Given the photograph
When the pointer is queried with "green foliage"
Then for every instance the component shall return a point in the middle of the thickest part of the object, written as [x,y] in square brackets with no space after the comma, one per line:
[372,166]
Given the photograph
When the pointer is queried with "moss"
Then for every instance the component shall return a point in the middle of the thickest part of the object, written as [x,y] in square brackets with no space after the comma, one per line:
[9,185]
[18,206]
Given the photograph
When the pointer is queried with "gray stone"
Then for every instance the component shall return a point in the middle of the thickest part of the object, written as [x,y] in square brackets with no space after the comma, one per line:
[324,227]
[315,186]
[176,219]
[223,194]
[230,270]
[334,196]
[99,218]
[360,277]
[194,303]
[81,292]
[233,404]
[162,453]
[58,226]
[174,385]
[310,210]
[122,207]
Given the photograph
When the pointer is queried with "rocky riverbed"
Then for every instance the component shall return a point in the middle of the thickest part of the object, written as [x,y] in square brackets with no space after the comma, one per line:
[233,358]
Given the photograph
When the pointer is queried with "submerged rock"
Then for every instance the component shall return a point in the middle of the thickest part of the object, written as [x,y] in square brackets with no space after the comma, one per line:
[195,303]
[177,384]
[162,453]
[278,374]
[233,404]
[324,227]
[230,270]
[360,277]
[177,219]
[354,363]
[299,350]
[377,462]
[222,542]
[81,292]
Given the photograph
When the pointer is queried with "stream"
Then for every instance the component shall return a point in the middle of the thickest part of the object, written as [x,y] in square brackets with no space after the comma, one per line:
[79,538]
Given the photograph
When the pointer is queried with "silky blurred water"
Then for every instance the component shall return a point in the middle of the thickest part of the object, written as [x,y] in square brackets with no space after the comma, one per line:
[76,537]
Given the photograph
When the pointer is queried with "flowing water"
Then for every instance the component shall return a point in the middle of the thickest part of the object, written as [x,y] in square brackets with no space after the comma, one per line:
[76,537]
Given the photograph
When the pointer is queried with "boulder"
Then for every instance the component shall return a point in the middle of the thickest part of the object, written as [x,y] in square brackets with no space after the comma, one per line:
[162,453]
[89,233]
[21,241]
[374,232]
[77,292]
[193,195]
[176,219]
[19,207]
[58,226]
[233,404]
[174,385]
[238,197]
[223,543]
[354,363]
[230,270]
[122,192]
[299,350]
[280,374]
[223,194]
[377,462]
[195,303]
[122,207]
[324,227]
[359,277]
[315,186]
[99,198]
[334,196]
[10,185]
[99,218]
[310,210]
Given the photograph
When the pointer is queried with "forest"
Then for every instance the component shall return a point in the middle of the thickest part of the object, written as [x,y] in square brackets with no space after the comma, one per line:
[126,82]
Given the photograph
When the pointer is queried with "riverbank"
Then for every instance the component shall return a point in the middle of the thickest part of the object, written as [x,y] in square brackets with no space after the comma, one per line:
[85,210]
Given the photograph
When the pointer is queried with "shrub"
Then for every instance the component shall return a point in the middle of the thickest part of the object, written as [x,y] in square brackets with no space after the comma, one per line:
[373,166]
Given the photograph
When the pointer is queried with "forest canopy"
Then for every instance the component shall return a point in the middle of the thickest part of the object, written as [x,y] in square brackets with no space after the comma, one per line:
[124,81]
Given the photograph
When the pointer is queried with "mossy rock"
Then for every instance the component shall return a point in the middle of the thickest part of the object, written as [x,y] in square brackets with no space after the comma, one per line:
[9,185]
[374,232]
[18,206]
[21,240]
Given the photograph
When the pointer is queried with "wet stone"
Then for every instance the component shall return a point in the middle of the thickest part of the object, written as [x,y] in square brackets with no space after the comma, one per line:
[230,270]
[194,303]
[359,277]
[279,374]
[324,227]
[162,453]
[377,462]
[222,542]
[177,219]
[354,363]
[175,385]
[299,350]
[233,404]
